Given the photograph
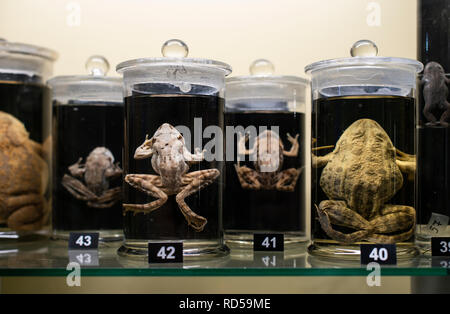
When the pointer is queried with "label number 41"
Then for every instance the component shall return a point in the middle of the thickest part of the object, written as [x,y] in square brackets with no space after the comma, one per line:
[268,242]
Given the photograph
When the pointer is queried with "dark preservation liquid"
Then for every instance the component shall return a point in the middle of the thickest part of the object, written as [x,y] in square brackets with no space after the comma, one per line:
[144,114]
[30,104]
[250,210]
[79,129]
[332,116]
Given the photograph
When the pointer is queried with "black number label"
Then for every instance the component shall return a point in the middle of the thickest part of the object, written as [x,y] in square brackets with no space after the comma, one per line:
[440,246]
[83,241]
[268,242]
[165,252]
[380,253]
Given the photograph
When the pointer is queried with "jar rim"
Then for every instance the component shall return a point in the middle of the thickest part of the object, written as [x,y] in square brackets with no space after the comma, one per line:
[365,61]
[27,49]
[170,61]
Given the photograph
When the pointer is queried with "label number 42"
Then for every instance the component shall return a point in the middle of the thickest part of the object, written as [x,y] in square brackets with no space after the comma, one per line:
[166,252]
[84,240]
[379,254]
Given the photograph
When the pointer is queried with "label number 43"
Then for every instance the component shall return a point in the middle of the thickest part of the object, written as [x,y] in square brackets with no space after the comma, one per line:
[84,240]
[166,252]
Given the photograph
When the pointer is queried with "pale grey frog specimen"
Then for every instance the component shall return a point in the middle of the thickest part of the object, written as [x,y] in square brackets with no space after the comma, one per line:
[360,176]
[170,159]
[96,174]
[270,153]
[435,93]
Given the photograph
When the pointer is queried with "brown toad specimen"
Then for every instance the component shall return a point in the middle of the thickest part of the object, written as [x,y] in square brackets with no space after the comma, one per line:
[360,176]
[435,93]
[89,182]
[170,160]
[23,177]
[269,151]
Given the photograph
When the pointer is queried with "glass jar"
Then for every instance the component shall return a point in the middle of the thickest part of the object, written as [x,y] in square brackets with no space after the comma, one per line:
[25,141]
[173,152]
[87,152]
[363,155]
[266,118]
[433,142]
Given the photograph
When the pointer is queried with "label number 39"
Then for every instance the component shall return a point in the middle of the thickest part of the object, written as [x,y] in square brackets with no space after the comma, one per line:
[166,252]
[379,254]
[84,240]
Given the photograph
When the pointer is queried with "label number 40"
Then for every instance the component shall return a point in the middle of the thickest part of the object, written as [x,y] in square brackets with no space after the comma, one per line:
[268,242]
[379,254]
[84,240]
[166,252]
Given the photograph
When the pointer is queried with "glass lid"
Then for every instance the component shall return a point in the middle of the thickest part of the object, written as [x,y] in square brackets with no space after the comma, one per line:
[93,87]
[26,49]
[365,52]
[174,52]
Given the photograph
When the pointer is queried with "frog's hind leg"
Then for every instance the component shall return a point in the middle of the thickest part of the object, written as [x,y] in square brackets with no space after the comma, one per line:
[393,218]
[26,212]
[248,178]
[148,184]
[200,179]
[287,179]
[107,199]
[336,212]
[445,115]
[77,188]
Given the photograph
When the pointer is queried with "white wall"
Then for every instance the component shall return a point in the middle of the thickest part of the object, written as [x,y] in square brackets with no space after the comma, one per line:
[291,33]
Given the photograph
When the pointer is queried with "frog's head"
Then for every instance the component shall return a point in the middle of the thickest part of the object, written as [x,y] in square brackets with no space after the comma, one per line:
[362,133]
[433,68]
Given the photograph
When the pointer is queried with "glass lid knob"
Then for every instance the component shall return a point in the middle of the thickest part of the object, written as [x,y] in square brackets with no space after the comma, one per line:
[97,65]
[364,48]
[262,67]
[175,48]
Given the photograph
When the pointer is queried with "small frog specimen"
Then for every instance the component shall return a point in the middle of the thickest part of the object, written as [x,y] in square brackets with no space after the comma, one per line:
[360,176]
[269,150]
[23,177]
[170,160]
[435,93]
[98,170]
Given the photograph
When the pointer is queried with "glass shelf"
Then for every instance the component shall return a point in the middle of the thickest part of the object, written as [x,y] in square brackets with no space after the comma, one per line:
[44,257]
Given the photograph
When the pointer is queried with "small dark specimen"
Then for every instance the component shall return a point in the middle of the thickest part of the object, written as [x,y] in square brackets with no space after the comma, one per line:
[435,92]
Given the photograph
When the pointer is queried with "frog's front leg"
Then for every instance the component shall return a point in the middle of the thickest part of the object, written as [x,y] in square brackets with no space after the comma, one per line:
[77,188]
[393,218]
[77,169]
[408,167]
[113,172]
[336,212]
[198,156]
[197,181]
[287,179]
[294,148]
[248,178]
[149,184]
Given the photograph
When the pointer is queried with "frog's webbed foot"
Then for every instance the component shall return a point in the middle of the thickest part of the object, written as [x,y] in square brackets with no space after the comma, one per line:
[248,178]
[77,169]
[77,188]
[24,212]
[107,199]
[393,218]
[295,146]
[287,179]
[148,184]
[200,179]
[337,213]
